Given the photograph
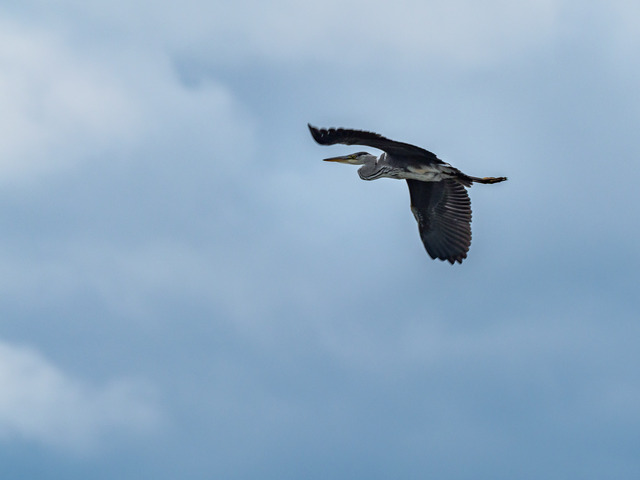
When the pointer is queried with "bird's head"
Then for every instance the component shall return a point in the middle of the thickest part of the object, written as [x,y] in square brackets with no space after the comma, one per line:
[359,158]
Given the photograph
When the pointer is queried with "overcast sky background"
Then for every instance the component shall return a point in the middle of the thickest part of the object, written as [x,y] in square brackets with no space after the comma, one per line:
[187,291]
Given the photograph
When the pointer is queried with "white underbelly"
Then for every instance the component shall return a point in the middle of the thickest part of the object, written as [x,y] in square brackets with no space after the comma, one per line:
[424,176]
[432,173]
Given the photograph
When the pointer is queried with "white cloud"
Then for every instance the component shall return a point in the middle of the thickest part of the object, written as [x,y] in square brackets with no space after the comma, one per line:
[343,31]
[56,106]
[65,102]
[39,402]
[410,31]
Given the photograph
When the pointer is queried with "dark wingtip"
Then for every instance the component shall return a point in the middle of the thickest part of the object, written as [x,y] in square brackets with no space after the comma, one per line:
[452,259]
[315,132]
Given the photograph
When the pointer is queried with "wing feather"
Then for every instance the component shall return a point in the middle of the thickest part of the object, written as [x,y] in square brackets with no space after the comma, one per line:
[443,212]
[347,136]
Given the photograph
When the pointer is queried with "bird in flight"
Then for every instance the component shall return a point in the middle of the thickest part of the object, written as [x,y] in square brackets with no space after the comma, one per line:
[439,199]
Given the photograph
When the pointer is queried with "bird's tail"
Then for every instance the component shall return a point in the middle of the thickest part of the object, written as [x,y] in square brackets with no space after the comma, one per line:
[467,180]
[487,179]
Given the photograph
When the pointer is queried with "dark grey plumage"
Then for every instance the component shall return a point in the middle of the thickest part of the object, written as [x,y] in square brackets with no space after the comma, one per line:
[439,199]
[346,136]
[443,212]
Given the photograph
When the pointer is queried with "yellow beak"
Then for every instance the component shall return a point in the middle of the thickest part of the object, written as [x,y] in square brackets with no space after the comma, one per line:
[343,159]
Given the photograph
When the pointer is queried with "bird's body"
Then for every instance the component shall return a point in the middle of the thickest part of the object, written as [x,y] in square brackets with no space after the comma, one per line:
[387,166]
[439,199]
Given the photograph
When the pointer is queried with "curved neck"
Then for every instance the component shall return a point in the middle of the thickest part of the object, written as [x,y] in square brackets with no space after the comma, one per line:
[372,168]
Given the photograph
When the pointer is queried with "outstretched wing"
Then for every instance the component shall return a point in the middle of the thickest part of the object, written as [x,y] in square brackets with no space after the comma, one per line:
[443,212]
[346,136]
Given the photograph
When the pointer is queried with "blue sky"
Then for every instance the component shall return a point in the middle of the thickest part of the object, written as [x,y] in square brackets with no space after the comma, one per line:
[189,292]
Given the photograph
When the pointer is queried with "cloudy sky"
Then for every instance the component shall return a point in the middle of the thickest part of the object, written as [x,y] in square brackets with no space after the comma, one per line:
[187,291]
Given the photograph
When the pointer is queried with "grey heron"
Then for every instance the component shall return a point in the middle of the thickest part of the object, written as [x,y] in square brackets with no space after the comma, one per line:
[439,199]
